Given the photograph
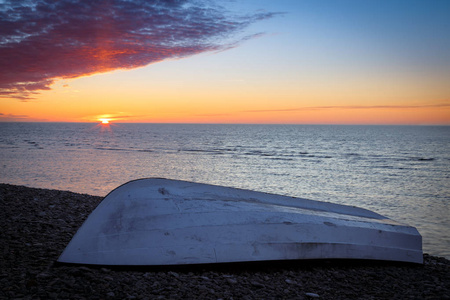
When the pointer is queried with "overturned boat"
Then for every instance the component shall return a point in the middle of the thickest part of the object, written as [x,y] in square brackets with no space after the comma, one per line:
[169,222]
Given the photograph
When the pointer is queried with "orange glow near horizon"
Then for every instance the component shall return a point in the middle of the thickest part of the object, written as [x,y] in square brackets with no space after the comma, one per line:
[126,100]
[160,98]
[235,109]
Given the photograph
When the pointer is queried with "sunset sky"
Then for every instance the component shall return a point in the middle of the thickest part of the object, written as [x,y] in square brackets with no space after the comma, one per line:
[242,61]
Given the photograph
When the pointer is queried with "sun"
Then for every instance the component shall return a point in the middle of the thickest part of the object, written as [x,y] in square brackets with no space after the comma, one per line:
[104,121]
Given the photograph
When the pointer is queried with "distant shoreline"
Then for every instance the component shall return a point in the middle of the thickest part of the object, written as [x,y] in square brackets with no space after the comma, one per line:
[37,224]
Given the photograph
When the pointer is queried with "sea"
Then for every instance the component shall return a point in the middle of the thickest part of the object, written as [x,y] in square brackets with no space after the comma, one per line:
[402,172]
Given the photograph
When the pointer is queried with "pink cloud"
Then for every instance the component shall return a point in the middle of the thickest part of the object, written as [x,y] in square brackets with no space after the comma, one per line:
[43,40]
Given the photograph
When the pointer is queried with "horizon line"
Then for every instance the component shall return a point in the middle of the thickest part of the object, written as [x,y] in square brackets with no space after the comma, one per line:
[231,123]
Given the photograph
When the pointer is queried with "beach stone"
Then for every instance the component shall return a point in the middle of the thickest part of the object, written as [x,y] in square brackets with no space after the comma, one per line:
[312,295]
[174,274]
[43,275]
[290,281]
[257,284]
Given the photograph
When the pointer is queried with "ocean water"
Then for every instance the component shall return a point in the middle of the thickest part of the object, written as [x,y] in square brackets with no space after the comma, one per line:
[402,172]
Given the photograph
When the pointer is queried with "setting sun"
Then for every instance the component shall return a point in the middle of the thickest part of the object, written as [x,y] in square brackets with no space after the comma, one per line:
[104,121]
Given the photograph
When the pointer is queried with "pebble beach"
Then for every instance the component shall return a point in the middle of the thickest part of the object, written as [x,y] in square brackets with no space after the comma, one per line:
[37,224]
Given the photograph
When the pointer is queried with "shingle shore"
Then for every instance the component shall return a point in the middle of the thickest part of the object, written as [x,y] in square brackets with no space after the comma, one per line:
[37,224]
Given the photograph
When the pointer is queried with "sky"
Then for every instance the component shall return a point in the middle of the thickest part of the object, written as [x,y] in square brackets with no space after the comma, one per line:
[228,61]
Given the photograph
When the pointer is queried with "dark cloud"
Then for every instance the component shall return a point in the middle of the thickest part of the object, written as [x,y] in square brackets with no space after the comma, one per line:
[43,40]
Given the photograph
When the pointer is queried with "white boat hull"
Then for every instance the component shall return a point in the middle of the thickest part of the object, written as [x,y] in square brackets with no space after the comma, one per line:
[169,222]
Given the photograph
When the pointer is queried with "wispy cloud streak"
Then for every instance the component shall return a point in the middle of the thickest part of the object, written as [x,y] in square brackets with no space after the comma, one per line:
[13,118]
[43,40]
[334,107]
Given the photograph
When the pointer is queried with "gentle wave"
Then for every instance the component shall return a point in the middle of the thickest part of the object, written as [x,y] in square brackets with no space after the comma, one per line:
[123,149]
